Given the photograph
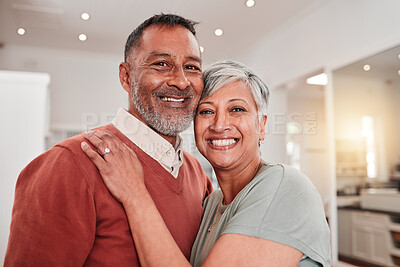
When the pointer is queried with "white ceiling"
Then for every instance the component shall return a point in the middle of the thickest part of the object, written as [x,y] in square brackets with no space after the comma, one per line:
[57,23]
[384,65]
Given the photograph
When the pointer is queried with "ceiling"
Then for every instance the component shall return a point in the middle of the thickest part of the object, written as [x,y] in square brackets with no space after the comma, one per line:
[384,65]
[57,23]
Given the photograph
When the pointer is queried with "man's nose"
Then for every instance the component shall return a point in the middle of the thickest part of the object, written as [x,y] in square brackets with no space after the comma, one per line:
[179,79]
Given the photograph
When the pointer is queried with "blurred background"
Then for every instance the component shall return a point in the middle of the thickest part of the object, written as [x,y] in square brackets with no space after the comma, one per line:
[332,66]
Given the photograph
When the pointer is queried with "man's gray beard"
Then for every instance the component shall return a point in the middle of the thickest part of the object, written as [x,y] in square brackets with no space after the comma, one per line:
[163,124]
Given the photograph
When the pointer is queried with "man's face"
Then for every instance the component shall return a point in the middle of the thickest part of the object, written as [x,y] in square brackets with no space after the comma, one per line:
[166,78]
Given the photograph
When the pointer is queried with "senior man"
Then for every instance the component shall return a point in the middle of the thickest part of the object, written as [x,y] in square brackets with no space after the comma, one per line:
[64,215]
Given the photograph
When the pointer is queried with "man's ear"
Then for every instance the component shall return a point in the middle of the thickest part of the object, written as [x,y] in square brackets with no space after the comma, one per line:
[262,127]
[125,76]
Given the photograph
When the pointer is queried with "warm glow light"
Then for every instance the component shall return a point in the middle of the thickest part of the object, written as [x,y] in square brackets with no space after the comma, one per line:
[398,56]
[398,72]
[219,32]
[293,128]
[82,37]
[85,16]
[367,67]
[367,131]
[250,3]
[201,49]
[21,31]
[320,79]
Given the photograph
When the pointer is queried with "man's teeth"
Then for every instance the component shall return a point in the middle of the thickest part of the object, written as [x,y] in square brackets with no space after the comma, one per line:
[223,142]
[170,99]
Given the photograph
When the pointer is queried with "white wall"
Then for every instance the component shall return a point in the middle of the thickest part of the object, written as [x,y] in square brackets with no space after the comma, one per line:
[81,82]
[313,141]
[271,150]
[23,109]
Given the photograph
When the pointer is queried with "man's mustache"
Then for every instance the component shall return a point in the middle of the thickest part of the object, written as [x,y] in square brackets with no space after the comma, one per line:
[172,91]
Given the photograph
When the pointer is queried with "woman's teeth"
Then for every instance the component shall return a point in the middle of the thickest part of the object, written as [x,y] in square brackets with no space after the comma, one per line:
[223,142]
[170,99]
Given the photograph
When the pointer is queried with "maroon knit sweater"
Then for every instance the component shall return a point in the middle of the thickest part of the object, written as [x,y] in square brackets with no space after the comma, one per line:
[64,215]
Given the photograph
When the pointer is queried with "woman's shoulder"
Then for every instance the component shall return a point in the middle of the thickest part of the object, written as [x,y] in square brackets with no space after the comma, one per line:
[213,199]
[284,177]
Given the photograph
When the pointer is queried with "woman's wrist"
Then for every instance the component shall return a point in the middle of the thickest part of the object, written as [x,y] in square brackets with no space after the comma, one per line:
[137,198]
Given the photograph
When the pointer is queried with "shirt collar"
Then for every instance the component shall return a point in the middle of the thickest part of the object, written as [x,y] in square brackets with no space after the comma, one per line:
[149,141]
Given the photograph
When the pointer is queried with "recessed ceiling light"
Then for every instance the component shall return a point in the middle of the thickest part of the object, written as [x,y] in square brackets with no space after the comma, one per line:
[21,31]
[320,79]
[82,37]
[201,49]
[367,67]
[250,3]
[85,16]
[219,32]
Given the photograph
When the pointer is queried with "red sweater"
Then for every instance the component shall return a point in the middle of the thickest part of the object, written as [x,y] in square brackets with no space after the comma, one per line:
[63,214]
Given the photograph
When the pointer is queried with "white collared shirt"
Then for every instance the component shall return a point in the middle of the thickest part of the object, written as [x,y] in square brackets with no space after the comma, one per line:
[150,142]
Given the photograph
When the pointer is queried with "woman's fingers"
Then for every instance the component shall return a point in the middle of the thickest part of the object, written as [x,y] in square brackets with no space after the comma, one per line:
[121,170]
[93,155]
[100,144]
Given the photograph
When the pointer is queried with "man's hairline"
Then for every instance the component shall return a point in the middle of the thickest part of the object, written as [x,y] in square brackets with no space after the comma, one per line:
[159,25]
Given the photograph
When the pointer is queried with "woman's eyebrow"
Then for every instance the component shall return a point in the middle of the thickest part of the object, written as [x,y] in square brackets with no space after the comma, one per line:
[237,99]
[230,100]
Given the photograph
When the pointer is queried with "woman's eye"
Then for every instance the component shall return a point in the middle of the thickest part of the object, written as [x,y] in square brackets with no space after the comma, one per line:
[237,109]
[205,112]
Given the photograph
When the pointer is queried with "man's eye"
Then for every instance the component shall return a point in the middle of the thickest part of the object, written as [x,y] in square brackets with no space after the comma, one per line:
[237,109]
[192,67]
[161,64]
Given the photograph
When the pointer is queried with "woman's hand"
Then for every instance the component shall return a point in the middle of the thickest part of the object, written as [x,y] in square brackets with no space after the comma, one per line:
[123,175]
[118,164]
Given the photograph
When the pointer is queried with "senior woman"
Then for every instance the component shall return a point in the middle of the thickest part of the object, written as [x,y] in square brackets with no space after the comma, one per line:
[262,215]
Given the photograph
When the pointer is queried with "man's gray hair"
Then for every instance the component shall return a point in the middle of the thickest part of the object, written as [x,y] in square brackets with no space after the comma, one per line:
[225,72]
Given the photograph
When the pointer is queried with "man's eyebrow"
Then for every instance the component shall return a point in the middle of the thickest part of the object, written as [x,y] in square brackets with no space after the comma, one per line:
[158,54]
[163,54]
[195,59]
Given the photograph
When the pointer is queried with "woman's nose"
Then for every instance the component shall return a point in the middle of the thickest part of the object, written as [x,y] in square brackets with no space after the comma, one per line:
[221,122]
[179,79]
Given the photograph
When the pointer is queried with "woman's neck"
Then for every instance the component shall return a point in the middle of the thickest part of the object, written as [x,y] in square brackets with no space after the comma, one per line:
[232,181]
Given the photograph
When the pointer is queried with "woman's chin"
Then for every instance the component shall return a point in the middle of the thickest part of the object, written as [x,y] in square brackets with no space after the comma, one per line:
[225,164]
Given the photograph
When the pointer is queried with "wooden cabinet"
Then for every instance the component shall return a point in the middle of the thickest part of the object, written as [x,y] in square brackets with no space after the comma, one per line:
[365,236]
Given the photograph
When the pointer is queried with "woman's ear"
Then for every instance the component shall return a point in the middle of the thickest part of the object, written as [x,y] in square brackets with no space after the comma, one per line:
[125,76]
[262,127]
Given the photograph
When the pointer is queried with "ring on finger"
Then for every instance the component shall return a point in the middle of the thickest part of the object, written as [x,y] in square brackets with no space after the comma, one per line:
[106,151]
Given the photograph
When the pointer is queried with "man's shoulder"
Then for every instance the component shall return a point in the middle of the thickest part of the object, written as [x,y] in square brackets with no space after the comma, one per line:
[74,143]
[191,160]
[63,158]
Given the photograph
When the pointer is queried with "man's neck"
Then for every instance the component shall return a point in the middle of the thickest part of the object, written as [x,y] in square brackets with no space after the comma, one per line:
[170,139]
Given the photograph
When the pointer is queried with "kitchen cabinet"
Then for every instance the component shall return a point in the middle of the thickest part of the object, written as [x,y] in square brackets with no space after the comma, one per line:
[365,236]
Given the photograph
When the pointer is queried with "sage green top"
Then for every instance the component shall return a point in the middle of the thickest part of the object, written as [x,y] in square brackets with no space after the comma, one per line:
[280,204]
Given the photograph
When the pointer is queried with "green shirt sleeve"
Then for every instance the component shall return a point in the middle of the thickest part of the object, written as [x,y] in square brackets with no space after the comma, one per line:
[282,205]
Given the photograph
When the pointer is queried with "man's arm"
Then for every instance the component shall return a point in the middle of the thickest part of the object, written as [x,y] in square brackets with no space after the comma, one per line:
[53,220]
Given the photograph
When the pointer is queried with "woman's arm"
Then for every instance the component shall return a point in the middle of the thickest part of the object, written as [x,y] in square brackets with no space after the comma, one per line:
[123,175]
[242,250]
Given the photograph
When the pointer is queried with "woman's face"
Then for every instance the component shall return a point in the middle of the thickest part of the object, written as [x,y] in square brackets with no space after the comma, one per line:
[227,127]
